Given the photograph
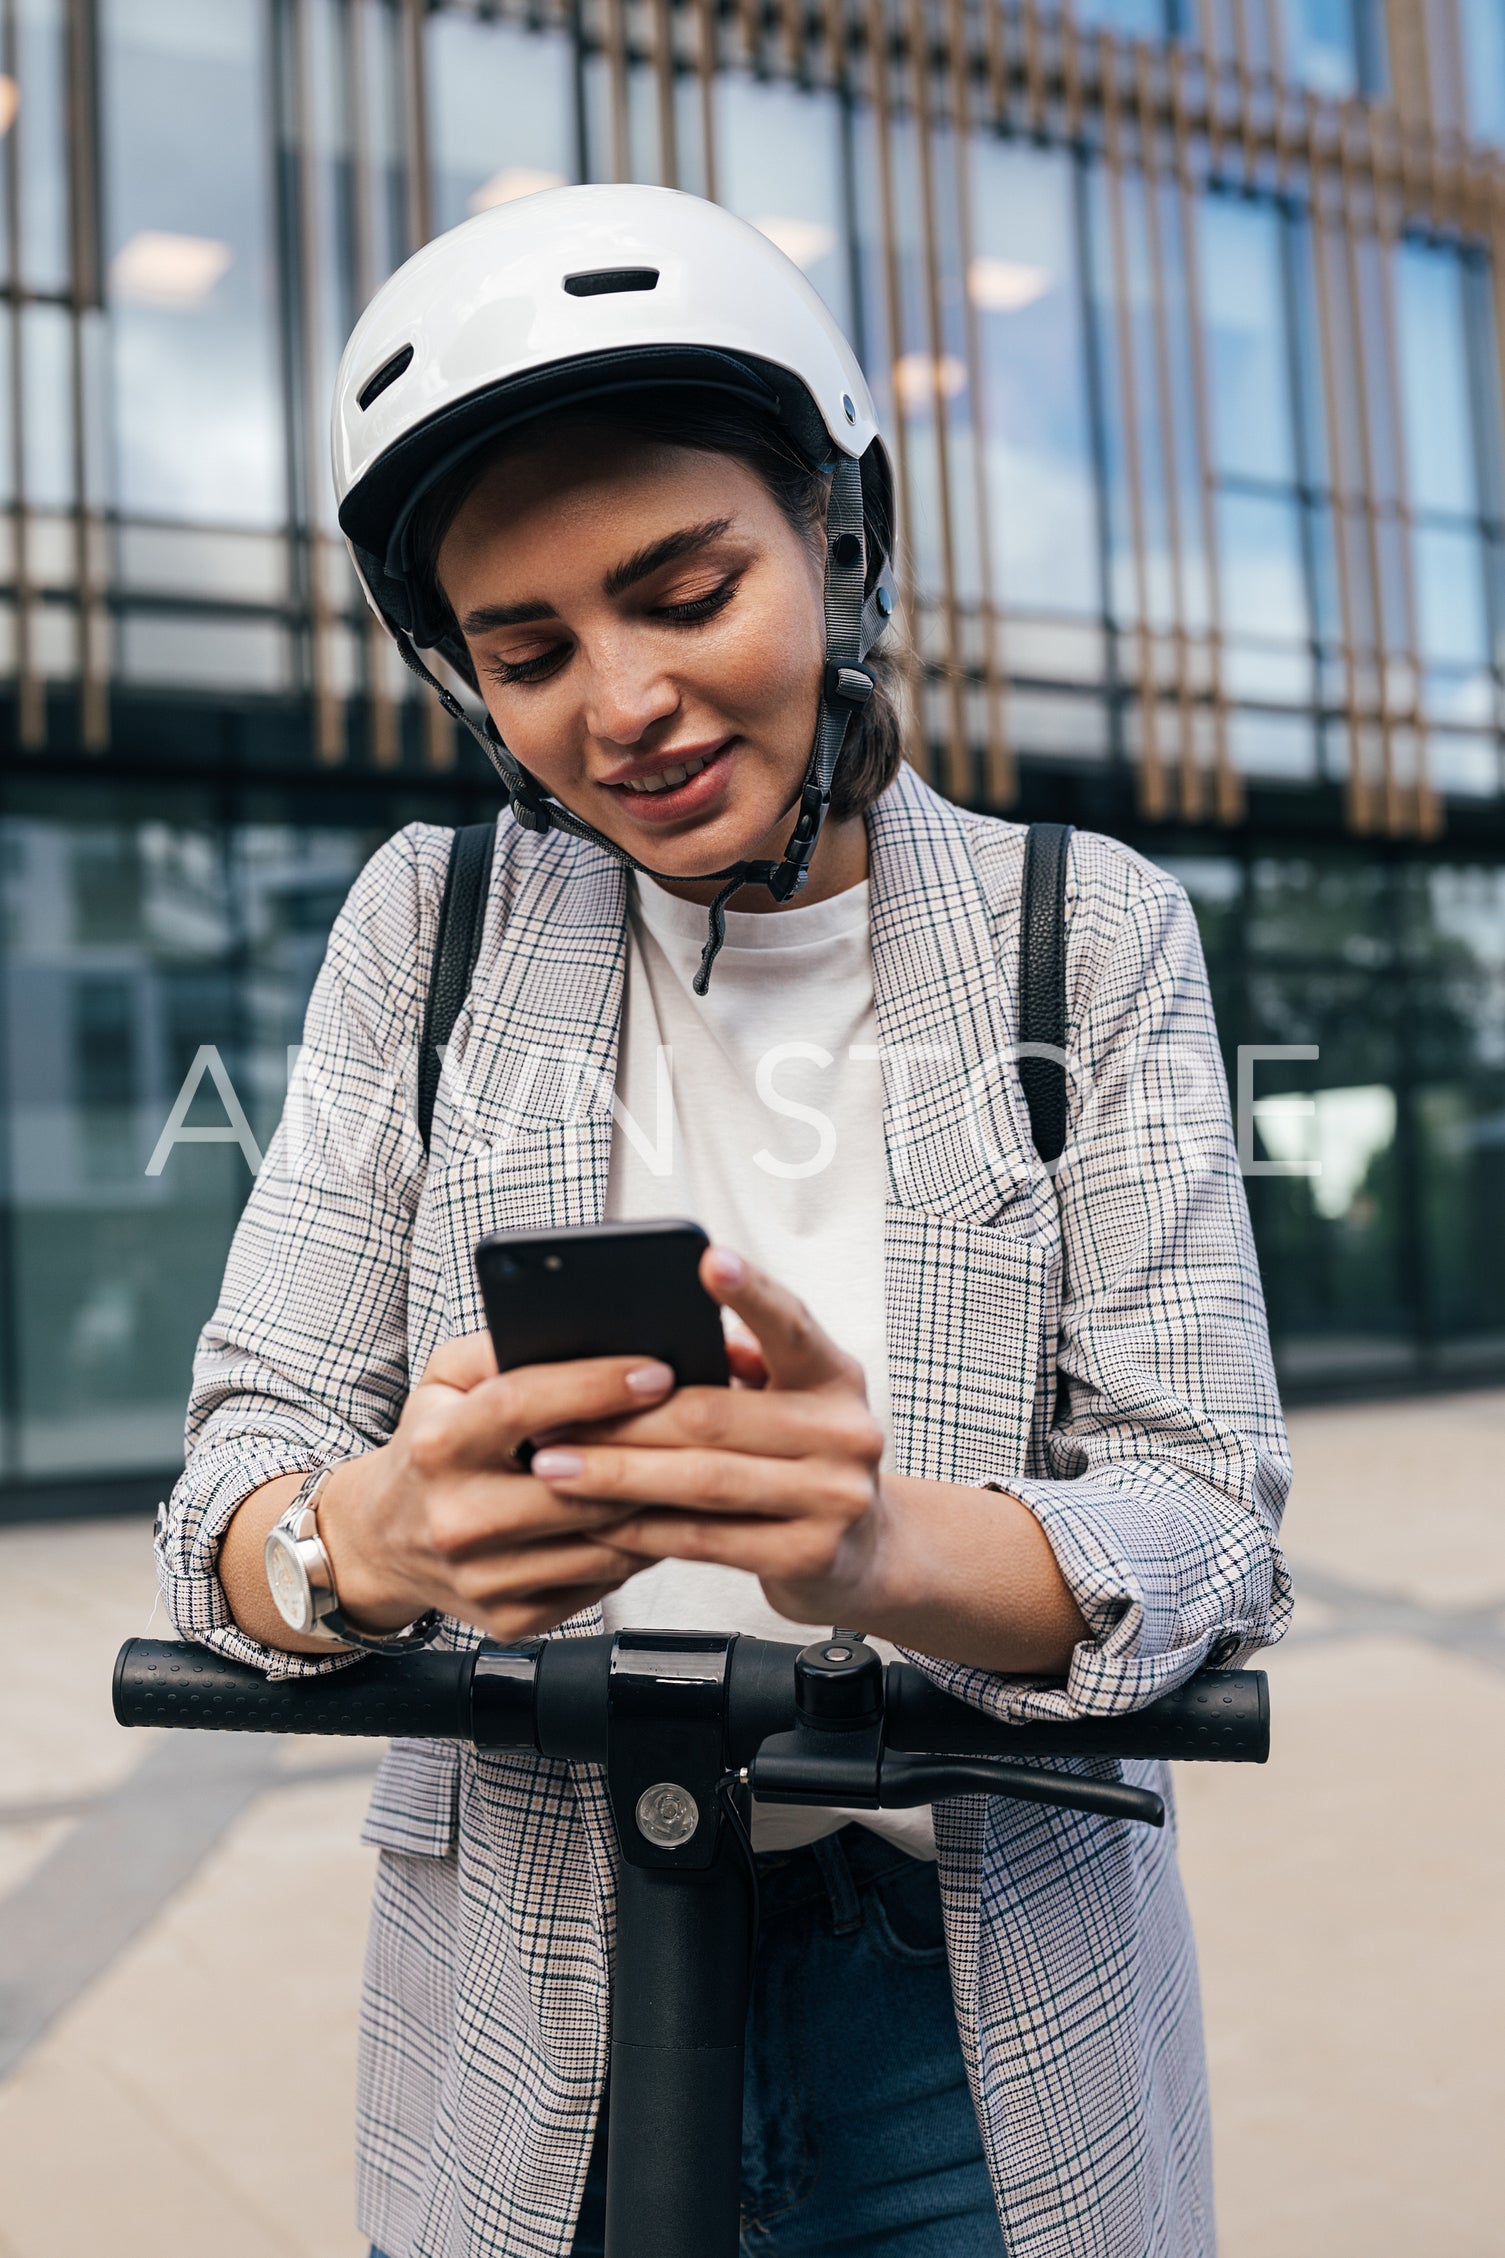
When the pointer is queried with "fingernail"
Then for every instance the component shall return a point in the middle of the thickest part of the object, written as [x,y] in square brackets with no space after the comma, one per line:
[650,1379]
[731,1268]
[556,1465]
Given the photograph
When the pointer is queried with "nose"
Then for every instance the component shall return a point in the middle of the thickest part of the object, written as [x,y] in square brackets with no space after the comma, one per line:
[628,693]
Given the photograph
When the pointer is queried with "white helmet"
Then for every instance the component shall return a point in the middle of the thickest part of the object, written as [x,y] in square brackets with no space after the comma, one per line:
[562,298]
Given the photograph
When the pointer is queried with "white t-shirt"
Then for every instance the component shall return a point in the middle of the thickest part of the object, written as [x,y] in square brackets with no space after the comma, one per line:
[757,1112]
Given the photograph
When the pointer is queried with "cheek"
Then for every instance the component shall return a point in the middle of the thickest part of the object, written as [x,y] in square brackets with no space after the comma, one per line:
[767,667]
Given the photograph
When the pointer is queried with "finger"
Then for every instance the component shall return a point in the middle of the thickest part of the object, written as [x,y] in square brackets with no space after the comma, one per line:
[486,1515]
[796,1352]
[709,1481]
[745,1361]
[506,1578]
[543,1611]
[781,1551]
[485,1427]
[461,1363]
[778,1424]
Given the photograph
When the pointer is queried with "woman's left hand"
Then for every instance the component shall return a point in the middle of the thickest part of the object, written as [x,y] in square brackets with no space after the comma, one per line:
[778,1475]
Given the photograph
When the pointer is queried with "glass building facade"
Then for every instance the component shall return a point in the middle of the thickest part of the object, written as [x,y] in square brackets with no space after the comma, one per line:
[1186,324]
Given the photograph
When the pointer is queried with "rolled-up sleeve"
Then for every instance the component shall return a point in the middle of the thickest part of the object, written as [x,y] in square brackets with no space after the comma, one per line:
[305,1360]
[1162,1476]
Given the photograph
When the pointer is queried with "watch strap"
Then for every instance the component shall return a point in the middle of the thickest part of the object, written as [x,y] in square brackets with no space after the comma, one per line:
[329,1625]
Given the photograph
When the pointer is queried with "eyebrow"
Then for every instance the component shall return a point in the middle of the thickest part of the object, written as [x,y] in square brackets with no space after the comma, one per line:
[670,549]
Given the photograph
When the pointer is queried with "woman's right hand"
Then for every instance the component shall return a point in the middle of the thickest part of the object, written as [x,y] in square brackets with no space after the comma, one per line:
[442,1516]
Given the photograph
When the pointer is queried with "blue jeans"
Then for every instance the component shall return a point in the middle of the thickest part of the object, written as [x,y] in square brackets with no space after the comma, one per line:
[859,2139]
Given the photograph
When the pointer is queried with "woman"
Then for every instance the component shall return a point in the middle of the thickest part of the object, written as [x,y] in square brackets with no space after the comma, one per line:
[605,450]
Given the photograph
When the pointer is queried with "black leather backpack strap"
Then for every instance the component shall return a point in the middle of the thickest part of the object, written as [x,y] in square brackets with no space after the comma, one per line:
[1042,983]
[462,920]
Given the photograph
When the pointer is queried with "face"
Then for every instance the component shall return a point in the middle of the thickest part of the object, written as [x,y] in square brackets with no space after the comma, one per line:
[646,629]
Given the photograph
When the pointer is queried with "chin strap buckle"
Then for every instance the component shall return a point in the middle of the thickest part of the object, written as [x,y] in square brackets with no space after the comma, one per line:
[848,685]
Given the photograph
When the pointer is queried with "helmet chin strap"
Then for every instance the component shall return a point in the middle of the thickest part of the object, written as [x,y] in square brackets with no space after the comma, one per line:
[852,628]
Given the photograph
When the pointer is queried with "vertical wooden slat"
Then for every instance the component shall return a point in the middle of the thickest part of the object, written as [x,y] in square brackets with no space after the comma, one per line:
[438,729]
[663,80]
[1152,792]
[1034,62]
[876,24]
[1212,75]
[1360,813]
[1368,499]
[84,265]
[957,767]
[1425,809]
[1000,777]
[618,96]
[329,718]
[381,706]
[1359,798]
[31,702]
[1228,785]
[705,11]
[1190,779]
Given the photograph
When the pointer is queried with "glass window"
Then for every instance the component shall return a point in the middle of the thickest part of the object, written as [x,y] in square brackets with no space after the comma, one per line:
[1482,23]
[1248,354]
[1143,19]
[1438,417]
[187,158]
[40,126]
[779,164]
[1454,630]
[503,113]
[1322,46]
[1264,590]
[139,932]
[1025,284]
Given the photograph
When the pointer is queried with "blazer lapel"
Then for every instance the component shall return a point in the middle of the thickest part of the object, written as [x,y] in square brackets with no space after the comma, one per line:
[525,1099]
[954,1130]
[967,1271]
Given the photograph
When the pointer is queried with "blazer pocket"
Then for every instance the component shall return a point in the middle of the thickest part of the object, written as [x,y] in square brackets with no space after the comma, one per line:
[967,1308]
[544,1176]
[414,1804]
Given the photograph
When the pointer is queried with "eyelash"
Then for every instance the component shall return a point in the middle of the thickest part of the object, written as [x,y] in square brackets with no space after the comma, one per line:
[691,614]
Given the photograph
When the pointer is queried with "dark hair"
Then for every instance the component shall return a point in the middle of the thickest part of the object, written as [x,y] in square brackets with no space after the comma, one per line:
[712,424]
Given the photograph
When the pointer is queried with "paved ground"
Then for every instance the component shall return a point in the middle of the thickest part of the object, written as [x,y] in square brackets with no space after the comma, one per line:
[181,1920]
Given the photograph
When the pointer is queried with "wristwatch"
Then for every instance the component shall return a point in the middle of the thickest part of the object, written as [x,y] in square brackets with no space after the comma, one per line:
[301,1582]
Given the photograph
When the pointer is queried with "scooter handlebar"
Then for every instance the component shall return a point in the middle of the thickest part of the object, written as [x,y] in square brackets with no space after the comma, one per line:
[418,1696]
[1221,1716]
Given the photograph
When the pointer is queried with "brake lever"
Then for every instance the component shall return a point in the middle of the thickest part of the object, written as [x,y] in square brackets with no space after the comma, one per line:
[905,1780]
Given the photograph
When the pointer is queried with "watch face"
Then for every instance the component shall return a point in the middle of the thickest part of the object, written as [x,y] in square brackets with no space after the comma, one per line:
[288,1581]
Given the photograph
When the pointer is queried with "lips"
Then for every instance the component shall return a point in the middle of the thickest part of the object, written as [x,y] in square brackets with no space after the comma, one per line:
[665,792]
[668,778]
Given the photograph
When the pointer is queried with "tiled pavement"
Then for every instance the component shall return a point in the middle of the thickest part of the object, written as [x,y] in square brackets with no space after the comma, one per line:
[181,1920]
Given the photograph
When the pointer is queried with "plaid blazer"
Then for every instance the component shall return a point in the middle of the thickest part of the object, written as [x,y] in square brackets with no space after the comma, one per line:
[1096,1344]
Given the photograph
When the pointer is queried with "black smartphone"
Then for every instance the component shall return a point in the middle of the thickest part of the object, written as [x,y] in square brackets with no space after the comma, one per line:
[603,1289]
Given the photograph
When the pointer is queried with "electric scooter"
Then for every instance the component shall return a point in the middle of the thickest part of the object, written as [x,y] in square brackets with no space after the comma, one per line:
[689,1726]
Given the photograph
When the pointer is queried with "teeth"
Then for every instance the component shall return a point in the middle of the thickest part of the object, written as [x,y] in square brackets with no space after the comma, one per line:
[666,779]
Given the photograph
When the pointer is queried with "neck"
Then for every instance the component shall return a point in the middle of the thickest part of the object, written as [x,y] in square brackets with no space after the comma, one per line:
[840,860]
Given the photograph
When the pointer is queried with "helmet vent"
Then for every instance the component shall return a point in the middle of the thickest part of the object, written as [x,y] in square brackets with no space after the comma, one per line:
[603,282]
[388,373]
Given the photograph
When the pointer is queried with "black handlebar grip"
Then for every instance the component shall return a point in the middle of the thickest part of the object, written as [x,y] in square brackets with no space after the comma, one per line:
[425,1696]
[1222,1716]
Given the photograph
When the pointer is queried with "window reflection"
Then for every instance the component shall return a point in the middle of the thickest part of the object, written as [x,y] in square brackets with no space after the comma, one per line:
[189,256]
[778,164]
[1248,350]
[502,123]
[139,933]
[1482,25]
[1434,379]
[1025,286]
